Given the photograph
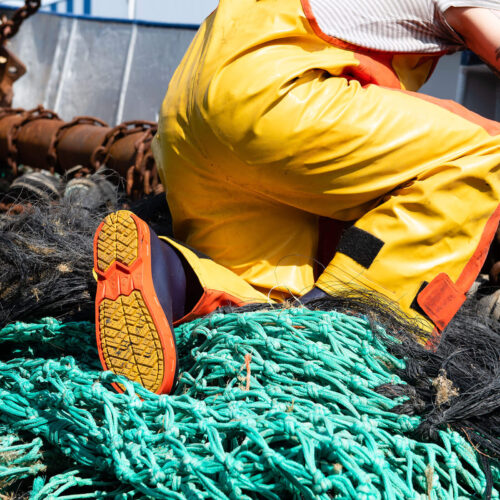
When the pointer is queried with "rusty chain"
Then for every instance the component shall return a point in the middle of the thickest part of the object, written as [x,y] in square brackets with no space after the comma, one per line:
[102,154]
[142,176]
[11,111]
[137,182]
[52,159]
[9,27]
[143,172]
[38,113]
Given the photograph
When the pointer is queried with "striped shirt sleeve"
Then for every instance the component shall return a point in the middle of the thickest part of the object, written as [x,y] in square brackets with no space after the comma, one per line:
[487,4]
[417,26]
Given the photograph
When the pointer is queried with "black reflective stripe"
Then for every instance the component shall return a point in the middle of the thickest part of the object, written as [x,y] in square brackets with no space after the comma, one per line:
[360,246]
[415,305]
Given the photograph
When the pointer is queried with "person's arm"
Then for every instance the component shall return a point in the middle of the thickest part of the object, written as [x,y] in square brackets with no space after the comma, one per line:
[480,29]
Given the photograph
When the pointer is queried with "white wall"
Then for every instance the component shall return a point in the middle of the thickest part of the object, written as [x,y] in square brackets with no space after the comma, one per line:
[166,11]
[110,8]
[175,11]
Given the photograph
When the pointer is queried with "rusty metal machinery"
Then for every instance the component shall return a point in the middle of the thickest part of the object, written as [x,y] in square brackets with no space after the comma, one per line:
[40,139]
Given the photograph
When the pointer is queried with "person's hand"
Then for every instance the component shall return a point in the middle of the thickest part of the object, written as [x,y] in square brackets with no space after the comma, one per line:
[480,29]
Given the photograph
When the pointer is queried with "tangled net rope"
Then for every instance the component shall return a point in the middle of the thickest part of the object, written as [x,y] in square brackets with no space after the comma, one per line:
[270,404]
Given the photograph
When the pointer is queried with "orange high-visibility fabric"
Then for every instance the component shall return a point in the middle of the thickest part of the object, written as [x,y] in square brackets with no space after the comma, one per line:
[220,286]
[266,127]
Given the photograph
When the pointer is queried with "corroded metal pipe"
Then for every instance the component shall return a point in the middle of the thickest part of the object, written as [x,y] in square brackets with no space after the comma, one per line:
[75,147]
[40,139]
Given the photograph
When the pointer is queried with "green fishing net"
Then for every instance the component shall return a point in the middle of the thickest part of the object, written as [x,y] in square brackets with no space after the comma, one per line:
[270,404]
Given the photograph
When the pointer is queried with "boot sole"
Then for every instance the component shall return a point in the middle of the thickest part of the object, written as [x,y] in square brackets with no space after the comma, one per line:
[134,337]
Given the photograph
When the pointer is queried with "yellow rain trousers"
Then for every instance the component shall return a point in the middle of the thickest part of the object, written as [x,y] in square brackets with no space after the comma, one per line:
[270,132]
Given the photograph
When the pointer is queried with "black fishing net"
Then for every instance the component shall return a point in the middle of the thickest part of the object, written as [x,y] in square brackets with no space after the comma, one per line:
[46,252]
[46,262]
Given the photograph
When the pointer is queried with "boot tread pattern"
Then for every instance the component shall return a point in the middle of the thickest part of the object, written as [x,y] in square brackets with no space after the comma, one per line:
[129,340]
[117,241]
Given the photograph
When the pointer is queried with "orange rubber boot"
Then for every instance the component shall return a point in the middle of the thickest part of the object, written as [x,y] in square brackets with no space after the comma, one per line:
[133,307]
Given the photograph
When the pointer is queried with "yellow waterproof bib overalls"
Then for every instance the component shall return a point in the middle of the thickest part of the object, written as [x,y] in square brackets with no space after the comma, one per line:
[269,129]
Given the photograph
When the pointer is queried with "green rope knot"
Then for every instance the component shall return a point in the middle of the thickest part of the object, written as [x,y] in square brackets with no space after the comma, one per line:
[321,483]
[270,368]
[452,461]
[366,491]
[407,424]
[403,446]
